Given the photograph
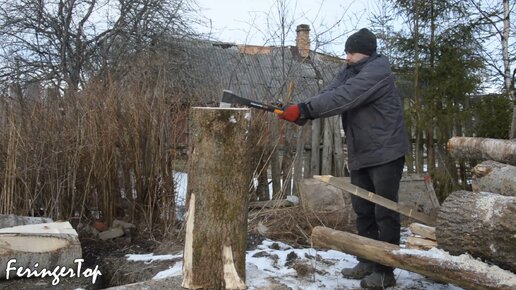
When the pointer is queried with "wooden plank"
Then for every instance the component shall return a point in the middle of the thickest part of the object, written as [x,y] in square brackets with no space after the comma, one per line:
[374,198]
[420,243]
[431,191]
[435,264]
[423,230]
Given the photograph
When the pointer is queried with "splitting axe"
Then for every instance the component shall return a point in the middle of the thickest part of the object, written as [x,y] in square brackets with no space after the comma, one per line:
[228,98]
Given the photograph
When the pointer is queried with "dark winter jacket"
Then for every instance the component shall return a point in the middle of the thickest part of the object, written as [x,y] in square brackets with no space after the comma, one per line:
[369,102]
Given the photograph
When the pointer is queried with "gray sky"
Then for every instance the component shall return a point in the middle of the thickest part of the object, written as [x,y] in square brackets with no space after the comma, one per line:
[256,21]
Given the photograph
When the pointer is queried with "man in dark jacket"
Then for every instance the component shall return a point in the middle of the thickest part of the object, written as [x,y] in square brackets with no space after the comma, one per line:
[364,94]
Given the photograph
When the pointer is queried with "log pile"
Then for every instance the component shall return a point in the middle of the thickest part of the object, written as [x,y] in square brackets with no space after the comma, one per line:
[481,223]
[473,242]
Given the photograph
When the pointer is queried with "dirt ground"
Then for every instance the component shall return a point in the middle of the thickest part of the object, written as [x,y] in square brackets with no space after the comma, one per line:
[110,257]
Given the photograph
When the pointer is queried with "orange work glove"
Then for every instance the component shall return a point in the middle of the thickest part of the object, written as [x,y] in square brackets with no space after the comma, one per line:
[291,113]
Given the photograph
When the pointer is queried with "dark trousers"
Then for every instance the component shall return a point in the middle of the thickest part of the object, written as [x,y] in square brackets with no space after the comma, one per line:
[374,221]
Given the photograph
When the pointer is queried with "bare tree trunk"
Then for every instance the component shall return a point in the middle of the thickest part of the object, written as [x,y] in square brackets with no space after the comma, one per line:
[410,155]
[262,190]
[505,47]
[299,158]
[326,164]
[481,224]
[483,149]
[430,149]
[508,81]
[492,176]
[218,189]
[339,158]
[438,267]
[419,149]
[316,143]
[275,161]
[286,170]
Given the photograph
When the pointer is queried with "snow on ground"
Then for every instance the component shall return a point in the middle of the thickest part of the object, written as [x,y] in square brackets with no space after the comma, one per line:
[273,263]
[269,263]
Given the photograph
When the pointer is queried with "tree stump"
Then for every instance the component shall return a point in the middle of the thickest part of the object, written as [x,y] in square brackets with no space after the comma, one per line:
[492,176]
[219,177]
[481,224]
[37,247]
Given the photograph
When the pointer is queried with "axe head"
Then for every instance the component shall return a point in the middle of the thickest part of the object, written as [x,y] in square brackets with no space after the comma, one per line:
[227,99]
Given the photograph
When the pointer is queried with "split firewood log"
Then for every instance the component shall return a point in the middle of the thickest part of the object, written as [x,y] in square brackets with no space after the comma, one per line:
[496,177]
[482,224]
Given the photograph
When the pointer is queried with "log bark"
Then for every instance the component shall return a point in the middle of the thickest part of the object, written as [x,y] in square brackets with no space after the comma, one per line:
[11,220]
[48,244]
[341,183]
[492,176]
[481,224]
[435,264]
[483,149]
[218,188]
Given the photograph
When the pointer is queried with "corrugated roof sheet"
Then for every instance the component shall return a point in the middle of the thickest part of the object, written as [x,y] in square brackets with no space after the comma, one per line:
[259,73]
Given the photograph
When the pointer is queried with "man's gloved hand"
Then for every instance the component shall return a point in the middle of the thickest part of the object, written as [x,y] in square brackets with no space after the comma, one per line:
[291,113]
[295,113]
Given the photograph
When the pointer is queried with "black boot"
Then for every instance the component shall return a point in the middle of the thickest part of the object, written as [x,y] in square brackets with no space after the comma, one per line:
[360,270]
[378,280]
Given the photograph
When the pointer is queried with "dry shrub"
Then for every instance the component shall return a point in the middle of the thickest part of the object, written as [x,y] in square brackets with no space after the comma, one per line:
[294,225]
[106,152]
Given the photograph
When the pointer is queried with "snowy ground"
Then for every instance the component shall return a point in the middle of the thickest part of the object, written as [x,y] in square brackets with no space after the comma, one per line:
[274,263]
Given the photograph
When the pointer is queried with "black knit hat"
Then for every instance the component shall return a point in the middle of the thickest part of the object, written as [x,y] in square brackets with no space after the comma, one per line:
[362,41]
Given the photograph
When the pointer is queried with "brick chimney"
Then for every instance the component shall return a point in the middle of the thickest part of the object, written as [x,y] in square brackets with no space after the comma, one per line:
[303,40]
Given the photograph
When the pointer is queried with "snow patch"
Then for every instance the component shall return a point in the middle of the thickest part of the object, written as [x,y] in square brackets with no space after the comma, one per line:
[273,263]
[468,263]
[149,258]
[176,270]
[491,205]
[232,119]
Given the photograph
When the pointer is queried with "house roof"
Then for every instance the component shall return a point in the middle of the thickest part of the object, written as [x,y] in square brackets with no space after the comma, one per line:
[257,72]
